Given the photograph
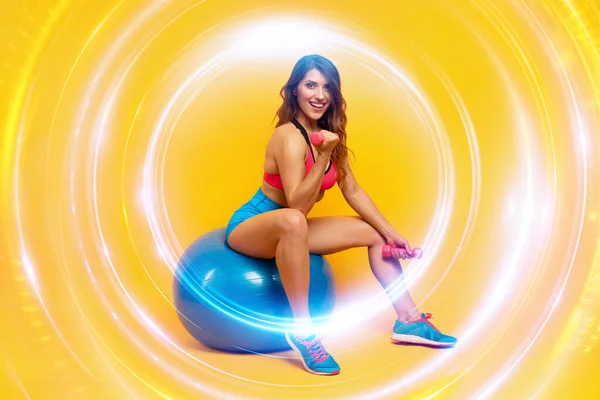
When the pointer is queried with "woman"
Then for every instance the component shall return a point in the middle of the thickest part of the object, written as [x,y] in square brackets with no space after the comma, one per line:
[274,223]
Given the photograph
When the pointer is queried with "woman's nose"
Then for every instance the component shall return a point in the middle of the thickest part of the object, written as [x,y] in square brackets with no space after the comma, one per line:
[319,94]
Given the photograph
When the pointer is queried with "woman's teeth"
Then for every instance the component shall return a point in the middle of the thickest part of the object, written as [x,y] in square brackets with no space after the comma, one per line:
[317,105]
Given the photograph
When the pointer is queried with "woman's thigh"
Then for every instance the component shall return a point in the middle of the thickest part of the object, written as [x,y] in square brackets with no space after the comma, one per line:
[328,235]
[259,235]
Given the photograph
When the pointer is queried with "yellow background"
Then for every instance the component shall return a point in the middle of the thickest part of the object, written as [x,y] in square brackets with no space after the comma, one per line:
[496,161]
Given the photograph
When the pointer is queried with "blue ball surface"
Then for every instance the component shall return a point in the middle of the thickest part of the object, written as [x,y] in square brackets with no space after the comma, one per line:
[232,302]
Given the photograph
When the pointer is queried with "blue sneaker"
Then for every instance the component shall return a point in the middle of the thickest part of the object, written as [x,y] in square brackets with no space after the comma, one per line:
[421,331]
[315,358]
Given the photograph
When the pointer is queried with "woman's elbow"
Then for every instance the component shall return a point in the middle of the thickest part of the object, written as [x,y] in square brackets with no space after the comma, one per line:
[350,191]
[300,206]
[303,210]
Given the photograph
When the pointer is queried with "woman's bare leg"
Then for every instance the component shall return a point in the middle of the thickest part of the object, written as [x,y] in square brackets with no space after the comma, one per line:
[327,235]
[282,234]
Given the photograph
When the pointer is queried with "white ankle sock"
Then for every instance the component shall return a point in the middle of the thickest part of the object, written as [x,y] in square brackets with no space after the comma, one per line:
[304,330]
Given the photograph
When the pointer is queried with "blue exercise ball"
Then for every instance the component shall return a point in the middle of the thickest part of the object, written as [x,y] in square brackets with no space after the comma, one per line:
[233,302]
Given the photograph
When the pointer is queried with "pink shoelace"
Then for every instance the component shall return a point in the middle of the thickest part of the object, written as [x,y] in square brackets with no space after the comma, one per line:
[426,320]
[315,349]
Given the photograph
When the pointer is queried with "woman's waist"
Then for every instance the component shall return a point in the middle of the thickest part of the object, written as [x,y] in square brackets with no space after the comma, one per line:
[275,195]
[278,195]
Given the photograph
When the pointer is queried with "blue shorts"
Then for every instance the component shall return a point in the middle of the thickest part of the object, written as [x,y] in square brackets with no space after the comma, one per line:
[258,204]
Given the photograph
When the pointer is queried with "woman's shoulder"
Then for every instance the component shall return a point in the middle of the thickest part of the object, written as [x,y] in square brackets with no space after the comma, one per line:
[286,139]
[288,133]
[286,128]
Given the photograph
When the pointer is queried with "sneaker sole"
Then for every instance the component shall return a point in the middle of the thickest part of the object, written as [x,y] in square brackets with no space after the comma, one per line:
[398,338]
[293,346]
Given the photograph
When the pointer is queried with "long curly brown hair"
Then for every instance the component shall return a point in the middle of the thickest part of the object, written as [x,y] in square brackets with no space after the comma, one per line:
[334,119]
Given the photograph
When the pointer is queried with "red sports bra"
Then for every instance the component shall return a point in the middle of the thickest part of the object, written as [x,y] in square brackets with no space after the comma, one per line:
[329,177]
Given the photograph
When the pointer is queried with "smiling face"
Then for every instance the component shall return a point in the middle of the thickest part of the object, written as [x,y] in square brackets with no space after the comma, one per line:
[313,94]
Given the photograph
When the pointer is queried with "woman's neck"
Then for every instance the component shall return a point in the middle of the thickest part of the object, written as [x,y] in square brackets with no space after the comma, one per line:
[308,124]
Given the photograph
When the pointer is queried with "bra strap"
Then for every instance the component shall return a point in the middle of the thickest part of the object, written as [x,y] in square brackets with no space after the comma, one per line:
[305,135]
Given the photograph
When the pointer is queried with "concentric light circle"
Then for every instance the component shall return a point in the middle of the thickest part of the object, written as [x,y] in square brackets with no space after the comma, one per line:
[134,128]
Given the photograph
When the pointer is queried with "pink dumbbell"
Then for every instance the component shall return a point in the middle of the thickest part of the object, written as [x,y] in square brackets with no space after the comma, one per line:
[415,253]
[317,138]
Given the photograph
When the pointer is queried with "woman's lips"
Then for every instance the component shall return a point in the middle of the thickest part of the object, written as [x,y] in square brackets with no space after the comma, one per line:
[317,106]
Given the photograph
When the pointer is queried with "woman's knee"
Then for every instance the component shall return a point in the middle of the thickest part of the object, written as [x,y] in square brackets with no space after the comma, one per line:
[293,222]
[373,237]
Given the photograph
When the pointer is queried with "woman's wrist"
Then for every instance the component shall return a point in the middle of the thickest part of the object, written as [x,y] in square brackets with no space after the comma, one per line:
[323,157]
[387,233]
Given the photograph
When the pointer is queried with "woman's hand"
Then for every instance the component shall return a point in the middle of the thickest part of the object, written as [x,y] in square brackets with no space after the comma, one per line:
[397,241]
[330,141]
